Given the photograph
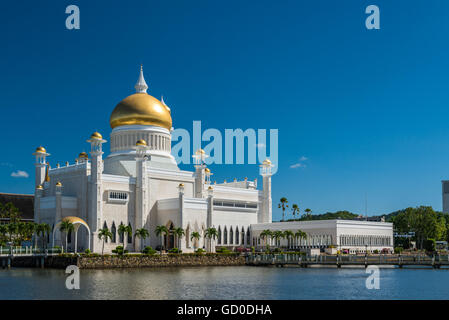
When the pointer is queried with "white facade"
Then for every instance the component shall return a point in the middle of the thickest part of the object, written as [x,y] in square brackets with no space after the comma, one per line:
[145,190]
[351,235]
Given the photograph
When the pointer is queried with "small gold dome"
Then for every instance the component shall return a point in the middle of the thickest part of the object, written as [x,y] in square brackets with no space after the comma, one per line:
[39,187]
[141,142]
[96,135]
[41,149]
[207,170]
[210,188]
[83,155]
[58,184]
[141,109]
[266,162]
[181,185]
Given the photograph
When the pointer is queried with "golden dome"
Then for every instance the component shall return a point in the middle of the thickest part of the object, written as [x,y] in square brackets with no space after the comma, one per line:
[181,185]
[266,162]
[141,142]
[207,170]
[141,109]
[39,187]
[96,135]
[41,149]
[83,155]
[58,184]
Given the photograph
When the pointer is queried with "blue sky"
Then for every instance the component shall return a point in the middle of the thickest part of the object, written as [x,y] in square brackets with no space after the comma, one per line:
[367,108]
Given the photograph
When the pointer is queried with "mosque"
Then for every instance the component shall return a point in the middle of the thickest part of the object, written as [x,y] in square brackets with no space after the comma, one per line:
[140,185]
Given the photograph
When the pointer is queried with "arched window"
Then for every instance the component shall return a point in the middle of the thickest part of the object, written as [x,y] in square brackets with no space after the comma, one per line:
[243,236]
[237,238]
[248,237]
[114,233]
[105,226]
[219,235]
[121,235]
[231,236]
[225,236]
[130,235]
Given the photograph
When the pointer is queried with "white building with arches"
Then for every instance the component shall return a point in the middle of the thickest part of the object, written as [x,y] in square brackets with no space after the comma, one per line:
[139,184]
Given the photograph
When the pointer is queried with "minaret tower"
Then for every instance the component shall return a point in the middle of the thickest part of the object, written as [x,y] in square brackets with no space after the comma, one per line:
[265,213]
[141,188]
[40,165]
[40,173]
[141,86]
[95,213]
[200,172]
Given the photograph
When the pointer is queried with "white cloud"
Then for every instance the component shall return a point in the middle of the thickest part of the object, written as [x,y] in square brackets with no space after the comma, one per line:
[297,165]
[303,158]
[20,174]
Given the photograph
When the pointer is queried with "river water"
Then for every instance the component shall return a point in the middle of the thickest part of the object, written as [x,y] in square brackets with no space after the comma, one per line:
[225,283]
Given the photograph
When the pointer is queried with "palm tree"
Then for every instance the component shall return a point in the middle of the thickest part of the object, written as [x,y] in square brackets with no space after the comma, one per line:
[211,233]
[308,212]
[277,235]
[129,232]
[142,234]
[195,235]
[13,229]
[265,234]
[160,231]
[104,234]
[66,227]
[46,231]
[300,234]
[289,235]
[122,229]
[178,233]
[295,209]
[283,205]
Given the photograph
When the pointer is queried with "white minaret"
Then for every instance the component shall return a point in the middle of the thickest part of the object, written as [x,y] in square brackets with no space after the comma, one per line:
[40,165]
[141,86]
[210,213]
[265,213]
[200,174]
[58,213]
[40,171]
[141,189]
[95,213]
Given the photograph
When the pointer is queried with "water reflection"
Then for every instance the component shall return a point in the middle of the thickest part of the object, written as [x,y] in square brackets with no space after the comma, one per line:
[224,283]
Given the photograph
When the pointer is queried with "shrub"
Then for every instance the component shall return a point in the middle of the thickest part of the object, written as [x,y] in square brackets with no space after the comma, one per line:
[175,250]
[223,251]
[253,250]
[119,250]
[148,250]
[376,251]
[87,251]
[199,250]
[429,245]
[398,250]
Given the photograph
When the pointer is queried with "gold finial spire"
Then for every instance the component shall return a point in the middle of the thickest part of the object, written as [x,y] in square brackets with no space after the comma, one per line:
[47,177]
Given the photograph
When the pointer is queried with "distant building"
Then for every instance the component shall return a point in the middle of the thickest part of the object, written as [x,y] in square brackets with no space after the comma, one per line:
[351,236]
[23,202]
[445,191]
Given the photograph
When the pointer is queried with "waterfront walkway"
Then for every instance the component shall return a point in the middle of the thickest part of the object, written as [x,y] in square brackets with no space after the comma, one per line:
[282,260]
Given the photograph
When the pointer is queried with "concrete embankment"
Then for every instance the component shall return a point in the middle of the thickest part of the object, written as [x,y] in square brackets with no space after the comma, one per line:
[127,261]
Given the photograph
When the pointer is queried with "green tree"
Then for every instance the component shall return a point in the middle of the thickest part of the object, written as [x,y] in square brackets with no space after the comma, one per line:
[277,235]
[178,233]
[66,227]
[308,213]
[265,234]
[160,231]
[141,233]
[211,234]
[295,210]
[283,205]
[299,234]
[104,234]
[195,235]
[288,235]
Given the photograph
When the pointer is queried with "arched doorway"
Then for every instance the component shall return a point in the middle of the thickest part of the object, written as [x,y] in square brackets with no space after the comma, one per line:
[170,242]
[77,223]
